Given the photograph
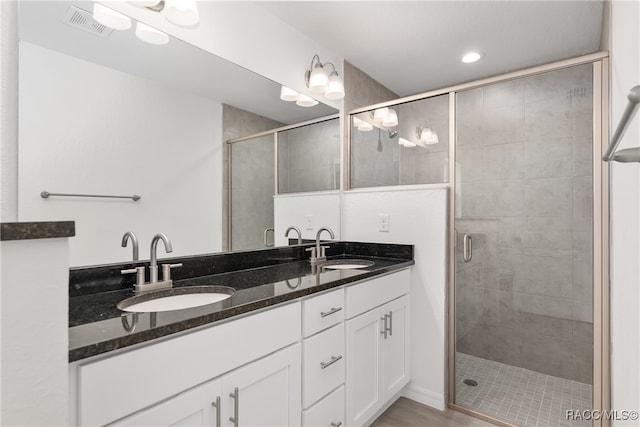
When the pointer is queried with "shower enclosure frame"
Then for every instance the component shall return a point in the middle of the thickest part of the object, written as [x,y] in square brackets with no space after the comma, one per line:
[601,327]
[601,376]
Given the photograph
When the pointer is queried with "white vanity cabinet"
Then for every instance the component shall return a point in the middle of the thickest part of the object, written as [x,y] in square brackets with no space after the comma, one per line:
[332,359]
[263,393]
[377,338]
[112,388]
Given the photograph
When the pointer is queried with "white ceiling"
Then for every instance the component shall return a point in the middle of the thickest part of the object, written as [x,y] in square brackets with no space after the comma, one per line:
[415,46]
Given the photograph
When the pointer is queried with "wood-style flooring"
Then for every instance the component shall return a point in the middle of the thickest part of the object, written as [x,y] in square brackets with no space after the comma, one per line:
[407,413]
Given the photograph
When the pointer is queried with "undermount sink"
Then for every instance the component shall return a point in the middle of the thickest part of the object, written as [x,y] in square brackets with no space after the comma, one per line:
[345,264]
[175,299]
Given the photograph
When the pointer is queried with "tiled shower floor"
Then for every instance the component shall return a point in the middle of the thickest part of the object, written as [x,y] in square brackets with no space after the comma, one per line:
[517,395]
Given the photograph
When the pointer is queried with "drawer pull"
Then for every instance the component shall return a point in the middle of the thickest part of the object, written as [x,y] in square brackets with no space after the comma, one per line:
[216,405]
[336,424]
[330,312]
[236,406]
[390,317]
[333,360]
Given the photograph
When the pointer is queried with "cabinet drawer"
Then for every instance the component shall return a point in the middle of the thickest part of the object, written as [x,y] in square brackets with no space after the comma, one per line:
[324,362]
[364,296]
[329,412]
[323,311]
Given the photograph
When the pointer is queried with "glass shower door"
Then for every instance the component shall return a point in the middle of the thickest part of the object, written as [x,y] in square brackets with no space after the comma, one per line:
[524,248]
[252,186]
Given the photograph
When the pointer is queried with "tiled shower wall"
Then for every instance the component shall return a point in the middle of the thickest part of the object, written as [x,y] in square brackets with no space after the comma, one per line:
[309,158]
[524,156]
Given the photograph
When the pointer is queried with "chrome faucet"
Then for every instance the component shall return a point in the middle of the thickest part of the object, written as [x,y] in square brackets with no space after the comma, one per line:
[153,265]
[134,242]
[317,253]
[297,230]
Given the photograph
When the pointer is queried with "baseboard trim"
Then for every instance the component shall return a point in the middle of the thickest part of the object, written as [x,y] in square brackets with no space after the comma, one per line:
[424,396]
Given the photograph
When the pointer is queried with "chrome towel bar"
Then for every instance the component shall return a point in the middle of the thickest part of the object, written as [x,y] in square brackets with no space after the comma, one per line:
[46,195]
[624,155]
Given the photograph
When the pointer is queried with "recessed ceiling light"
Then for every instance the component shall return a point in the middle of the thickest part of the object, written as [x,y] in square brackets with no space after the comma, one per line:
[471,57]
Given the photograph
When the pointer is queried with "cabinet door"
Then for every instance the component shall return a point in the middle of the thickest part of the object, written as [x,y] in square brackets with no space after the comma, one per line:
[395,348]
[266,392]
[193,408]
[363,367]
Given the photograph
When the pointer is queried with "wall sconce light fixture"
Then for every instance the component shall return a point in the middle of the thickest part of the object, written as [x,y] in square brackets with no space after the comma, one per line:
[426,135]
[318,80]
[386,117]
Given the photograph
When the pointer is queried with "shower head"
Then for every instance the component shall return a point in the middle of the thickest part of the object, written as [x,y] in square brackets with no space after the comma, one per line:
[392,133]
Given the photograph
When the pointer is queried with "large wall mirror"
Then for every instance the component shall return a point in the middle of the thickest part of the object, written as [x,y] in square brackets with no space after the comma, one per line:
[103,113]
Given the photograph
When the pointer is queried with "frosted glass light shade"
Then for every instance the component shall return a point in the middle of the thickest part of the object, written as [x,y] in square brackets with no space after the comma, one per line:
[150,34]
[380,114]
[335,87]
[110,18]
[318,80]
[391,120]
[288,94]
[182,12]
[428,136]
[305,101]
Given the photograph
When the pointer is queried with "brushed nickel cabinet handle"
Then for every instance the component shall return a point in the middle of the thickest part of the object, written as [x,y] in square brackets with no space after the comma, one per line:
[236,406]
[330,312]
[384,328]
[216,405]
[333,360]
[390,317]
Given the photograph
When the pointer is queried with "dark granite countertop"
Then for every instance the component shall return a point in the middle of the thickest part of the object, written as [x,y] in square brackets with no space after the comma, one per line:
[36,230]
[261,279]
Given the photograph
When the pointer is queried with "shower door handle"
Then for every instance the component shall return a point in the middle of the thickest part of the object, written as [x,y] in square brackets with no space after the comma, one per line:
[467,248]
[266,235]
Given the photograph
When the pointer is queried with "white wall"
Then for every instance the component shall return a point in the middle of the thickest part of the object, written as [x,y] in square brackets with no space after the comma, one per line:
[624,39]
[85,128]
[418,217]
[35,316]
[293,209]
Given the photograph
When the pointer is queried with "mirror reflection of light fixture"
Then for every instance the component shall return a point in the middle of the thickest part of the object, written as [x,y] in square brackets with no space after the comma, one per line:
[182,12]
[145,3]
[150,34]
[426,135]
[406,143]
[362,125]
[110,18]
[318,80]
[391,120]
[288,94]
[305,101]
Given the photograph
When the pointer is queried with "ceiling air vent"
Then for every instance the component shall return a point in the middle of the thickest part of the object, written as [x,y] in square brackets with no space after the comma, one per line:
[83,20]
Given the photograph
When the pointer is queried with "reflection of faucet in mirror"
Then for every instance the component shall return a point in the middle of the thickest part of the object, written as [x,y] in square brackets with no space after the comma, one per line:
[297,230]
[317,253]
[134,242]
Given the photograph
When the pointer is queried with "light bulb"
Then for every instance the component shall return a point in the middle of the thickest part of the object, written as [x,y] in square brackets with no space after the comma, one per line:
[318,79]
[110,18]
[391,120]
[305,101]
[150,34]
[288,94]
[182,12]
[335,87]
